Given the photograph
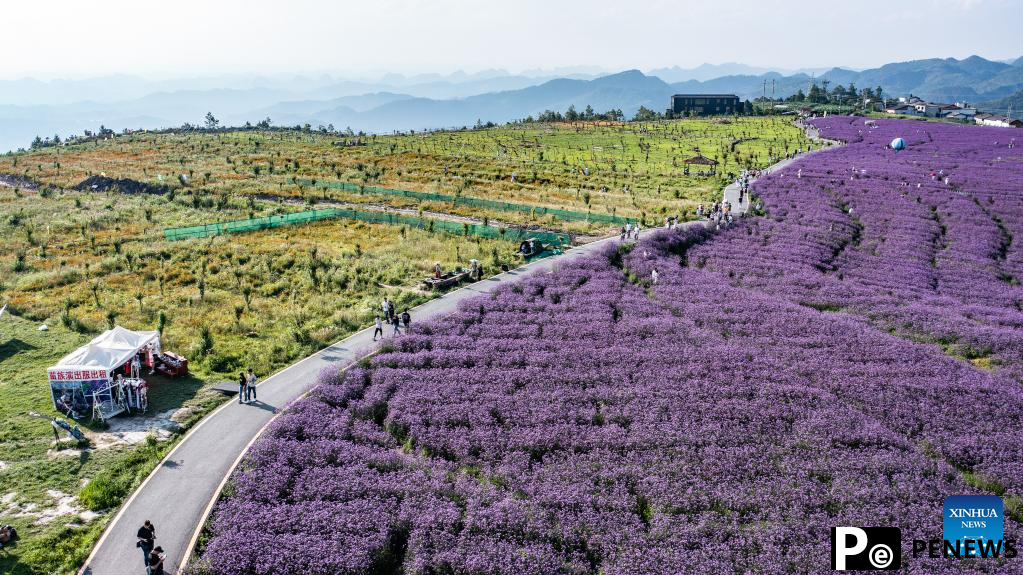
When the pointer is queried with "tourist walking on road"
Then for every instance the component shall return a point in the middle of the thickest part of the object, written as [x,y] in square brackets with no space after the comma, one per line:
[250,386]
[406,319]
[156,559]
[147,536]
[396,324]
[379,329]
[243,383]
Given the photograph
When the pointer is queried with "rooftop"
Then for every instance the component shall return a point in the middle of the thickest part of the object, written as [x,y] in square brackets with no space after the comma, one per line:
[704,96]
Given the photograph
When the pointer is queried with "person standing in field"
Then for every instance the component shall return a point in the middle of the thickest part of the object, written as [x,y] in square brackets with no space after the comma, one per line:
[406,319]
[653,276]
[146,537]
[250,385]
[379,329]
[243,384]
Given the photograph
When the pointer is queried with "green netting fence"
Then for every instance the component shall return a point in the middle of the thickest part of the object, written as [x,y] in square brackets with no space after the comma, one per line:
[427,224]
[567,215]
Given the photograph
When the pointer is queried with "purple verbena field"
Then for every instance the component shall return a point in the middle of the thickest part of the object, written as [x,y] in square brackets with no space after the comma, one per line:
[850,359]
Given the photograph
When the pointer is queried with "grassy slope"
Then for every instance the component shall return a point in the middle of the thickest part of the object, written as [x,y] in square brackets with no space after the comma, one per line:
[26,446]
[287,317]
[548,161]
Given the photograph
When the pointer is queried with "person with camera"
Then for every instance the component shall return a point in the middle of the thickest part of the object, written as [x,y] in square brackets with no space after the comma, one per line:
[146,539]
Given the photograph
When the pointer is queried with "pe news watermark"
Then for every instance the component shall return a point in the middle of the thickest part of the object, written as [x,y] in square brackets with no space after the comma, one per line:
[866,548]
[972,527]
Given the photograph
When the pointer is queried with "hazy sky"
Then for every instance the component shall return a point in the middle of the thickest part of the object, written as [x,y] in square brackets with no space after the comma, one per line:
[159,38]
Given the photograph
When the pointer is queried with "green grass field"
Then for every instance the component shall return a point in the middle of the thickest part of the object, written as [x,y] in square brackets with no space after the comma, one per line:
[556,165]
[79,261]
[267,299]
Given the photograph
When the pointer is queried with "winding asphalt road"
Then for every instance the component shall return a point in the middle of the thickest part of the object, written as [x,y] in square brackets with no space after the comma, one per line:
[179,494]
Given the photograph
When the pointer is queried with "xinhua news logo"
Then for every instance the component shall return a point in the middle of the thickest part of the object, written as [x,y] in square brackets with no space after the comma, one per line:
[972,525]
[866,548]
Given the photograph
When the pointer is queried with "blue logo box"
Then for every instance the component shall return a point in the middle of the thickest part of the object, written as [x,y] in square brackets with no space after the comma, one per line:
[975,518]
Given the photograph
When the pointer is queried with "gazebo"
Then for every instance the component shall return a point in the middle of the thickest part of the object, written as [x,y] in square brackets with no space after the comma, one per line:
[700,160]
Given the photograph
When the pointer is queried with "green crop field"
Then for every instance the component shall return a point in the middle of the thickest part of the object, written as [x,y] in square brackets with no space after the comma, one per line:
[81,260]
[639,164]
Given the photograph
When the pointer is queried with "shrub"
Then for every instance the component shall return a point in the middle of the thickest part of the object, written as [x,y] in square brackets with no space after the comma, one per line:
[204,346]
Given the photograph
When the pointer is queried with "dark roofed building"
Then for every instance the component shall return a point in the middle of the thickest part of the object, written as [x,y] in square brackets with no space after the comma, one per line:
[705,104]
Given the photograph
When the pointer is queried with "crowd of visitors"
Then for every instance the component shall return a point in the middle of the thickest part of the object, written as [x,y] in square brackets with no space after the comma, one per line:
[390,315]
[630,231]
[719,213]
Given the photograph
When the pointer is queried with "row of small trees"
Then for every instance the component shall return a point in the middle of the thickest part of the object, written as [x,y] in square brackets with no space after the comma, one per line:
[644,114]
[210,124]
[840,94]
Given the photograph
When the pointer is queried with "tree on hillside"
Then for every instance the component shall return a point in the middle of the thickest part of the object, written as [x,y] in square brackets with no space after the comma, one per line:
[212,123]
[815,95]
[645,114]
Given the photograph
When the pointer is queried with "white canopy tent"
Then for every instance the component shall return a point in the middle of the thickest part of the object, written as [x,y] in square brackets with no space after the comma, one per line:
[84,379]
[108,350]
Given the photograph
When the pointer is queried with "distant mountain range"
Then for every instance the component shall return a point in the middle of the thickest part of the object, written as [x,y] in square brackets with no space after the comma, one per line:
[30,107]
[1011,103]
[705,72]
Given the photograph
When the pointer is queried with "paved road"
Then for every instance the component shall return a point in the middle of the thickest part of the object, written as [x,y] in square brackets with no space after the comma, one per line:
[731,191]
[179,493]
